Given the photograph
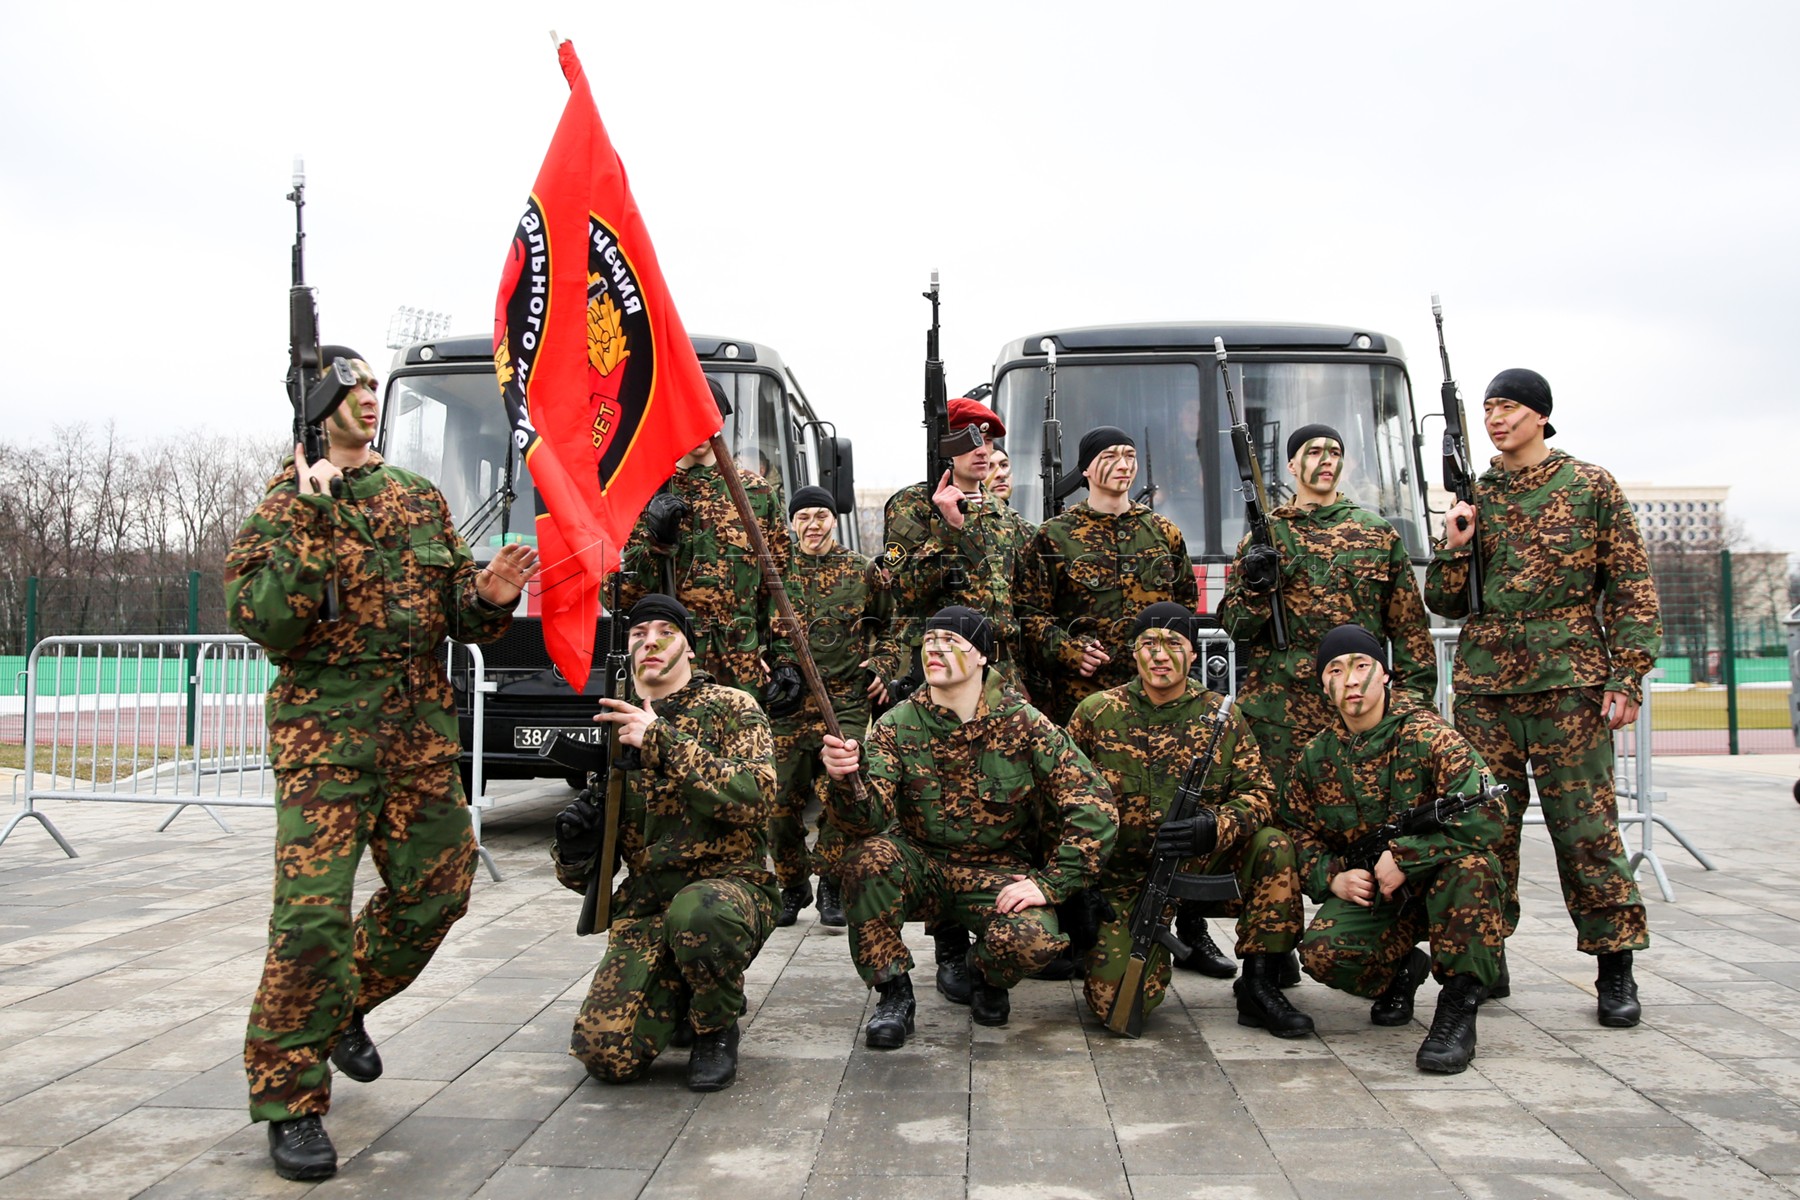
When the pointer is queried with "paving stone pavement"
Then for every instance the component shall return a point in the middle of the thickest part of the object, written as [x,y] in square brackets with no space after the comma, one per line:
[126,976]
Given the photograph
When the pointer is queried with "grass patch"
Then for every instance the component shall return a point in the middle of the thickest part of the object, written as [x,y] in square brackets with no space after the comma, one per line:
[1704,708]
[85,768]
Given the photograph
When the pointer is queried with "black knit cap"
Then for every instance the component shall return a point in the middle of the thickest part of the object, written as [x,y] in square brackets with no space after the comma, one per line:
[810,496]
[658,607]
[1527,387]
[971,626]
[1166,614]
[719,396]
[1094,441]
[1307,433]
[1349,639]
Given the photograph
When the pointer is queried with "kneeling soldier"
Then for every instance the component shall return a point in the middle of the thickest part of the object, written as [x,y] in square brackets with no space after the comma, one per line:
[1383,758]
[954,781]
[698,901]
[1142,736]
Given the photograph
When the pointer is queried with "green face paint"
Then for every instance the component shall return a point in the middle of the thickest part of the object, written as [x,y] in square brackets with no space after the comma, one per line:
[1316,456]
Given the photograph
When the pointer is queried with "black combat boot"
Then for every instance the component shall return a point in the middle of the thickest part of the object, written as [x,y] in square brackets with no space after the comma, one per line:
[988,1005]
[1203,954]
[1287,972]
[355,1054]
[1260,1003]
[301,1149]
[793,899]
[893,1018]
[1395,1006]
[1617,991]
[951,945]
[831,904]
[1450,1045]
[1502,986]
[712,1064]
[1057,969]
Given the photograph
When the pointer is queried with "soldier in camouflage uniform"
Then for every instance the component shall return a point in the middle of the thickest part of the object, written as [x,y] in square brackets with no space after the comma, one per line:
[363,740]
[1555,661]
[690,543]
[1142,736]
[698,900]
[955,780]
[1090,571]
[1336,563]
[1386,754]
[939,555]
[842,601]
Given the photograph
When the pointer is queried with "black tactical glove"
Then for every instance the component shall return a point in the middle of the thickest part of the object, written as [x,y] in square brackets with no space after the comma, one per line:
[785,693]
[1081,917]
[578,830]
[1189,838]
[663,517]
[1260,570]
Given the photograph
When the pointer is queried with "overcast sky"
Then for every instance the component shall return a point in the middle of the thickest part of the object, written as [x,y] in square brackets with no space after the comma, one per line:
[1606,192]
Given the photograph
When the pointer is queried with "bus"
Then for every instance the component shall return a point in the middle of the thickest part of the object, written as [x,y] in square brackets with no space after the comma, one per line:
[442,417]
[1160,383]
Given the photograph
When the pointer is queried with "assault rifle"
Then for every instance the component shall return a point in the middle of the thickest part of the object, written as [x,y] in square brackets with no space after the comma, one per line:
[1459,478]
[605,775]
[314,392]
[940,445]
[1164,885]
[1147,493]
[1428,818]
[1050,464]
[1256,499]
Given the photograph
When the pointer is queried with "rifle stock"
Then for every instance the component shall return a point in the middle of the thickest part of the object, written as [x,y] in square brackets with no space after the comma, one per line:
[1164,885]
[1256,497]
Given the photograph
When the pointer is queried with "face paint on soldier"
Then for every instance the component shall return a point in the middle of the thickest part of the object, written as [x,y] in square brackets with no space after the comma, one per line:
[351,425]
[659,658]
[1163,660]
[949,660]
[1357,686]
[813,528]
[1112,471]
[1316,470]
[1510,425]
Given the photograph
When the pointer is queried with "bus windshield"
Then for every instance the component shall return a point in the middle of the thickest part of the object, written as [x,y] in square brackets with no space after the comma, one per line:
[1176,412]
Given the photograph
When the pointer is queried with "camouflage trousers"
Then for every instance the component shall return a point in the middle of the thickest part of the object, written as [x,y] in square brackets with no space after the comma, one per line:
[1562,734]
[1268,918]
[321,965]
[888,881]
[1457,909]
[798,776]
[685,963]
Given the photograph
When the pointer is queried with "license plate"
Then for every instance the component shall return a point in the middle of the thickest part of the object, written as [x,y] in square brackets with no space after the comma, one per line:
[534,737]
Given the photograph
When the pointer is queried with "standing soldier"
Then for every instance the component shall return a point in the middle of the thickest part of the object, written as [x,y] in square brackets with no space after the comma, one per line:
[1091,570]
[938,554]
[1553,662]
[842,602]
[1384,754]
[690,543]
[1000,474]
[955,779]
[1142,736]
[698,900]
[363,741]
[1334,563]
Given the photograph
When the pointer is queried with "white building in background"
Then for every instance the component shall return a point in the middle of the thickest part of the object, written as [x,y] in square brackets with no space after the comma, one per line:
[1672,514]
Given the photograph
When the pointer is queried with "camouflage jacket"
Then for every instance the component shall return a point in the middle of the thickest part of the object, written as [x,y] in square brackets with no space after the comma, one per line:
[843,601]
[982,792]
[367,690]
[700,807]
[1345,785]
[716,575]
[1143,750]
[934,565]
[1340,564]
[1568,600]
[1087,575]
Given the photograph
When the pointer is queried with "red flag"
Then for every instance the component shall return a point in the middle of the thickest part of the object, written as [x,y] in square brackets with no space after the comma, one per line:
[599,379]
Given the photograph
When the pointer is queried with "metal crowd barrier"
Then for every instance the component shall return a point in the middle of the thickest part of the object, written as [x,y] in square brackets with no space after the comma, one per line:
[1633,751]
[175,719]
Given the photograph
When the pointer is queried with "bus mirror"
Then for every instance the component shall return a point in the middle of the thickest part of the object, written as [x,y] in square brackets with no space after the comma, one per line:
[837,472]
